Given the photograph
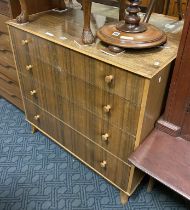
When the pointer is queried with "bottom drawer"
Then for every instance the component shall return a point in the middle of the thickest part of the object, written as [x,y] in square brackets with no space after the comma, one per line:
[113,169]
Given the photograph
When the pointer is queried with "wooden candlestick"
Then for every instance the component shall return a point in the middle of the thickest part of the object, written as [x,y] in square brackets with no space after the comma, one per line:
[131,33]
[132,20]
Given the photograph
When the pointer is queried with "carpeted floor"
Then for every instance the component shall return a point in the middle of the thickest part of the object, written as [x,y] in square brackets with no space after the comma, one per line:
[35,173]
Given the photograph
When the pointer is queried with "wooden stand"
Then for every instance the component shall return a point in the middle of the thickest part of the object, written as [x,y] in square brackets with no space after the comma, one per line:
[131,33]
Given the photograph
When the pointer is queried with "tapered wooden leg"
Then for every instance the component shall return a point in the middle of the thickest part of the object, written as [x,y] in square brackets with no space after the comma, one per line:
[34,129]
[150,184]
[87,36]
[24,15]
[124,198]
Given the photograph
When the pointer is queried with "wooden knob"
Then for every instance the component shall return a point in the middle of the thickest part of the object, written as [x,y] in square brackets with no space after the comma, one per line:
[37,117]
[109,79]
[107,108]
[103,164]
[29,67]
[25,42]
[33,92]
[105,137]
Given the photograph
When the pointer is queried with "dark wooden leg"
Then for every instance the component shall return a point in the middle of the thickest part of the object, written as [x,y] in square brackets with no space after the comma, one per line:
[179,8]
[61,5]
[34,129]
[87,36]
[124,198]
[150,10]
[122,8]
[150,184]
[24,15]
[167,7]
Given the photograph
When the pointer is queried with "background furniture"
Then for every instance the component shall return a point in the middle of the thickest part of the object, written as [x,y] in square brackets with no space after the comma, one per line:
[164,155]
[9,87]
[96,106]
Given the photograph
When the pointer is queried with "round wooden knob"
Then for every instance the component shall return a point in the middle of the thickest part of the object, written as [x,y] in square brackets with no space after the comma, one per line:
[33,92]
[109,79]
[103,164]
[25,42]
[37,117]
[29,67]
[107,108]
[105,137]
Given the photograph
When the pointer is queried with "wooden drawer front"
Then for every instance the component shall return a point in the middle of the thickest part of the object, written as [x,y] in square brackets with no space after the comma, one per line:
[11,97]
[85,122]
[9,72]
[4,7]
[6,59]
[123,114]
[124,84]
[9,86]
[3,26]
[115,170]
[5,43]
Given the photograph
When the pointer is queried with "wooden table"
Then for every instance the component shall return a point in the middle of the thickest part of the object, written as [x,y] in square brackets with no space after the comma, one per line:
[165,158]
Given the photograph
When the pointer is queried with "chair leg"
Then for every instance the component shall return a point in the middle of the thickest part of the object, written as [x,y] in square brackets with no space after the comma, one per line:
[122,8]
[61,5]
[149,11]
[150,184]
[87,36]
[24,15]
[124,198]
[167,7]
[179,8]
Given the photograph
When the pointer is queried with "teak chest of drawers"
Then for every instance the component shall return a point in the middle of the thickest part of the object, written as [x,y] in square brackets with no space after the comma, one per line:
[96,106]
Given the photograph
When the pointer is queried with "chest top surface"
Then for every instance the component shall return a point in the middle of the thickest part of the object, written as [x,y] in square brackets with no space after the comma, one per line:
[64,28]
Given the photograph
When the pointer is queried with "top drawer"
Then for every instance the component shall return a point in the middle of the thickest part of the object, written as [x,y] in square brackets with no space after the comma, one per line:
[4,7]
[112,79]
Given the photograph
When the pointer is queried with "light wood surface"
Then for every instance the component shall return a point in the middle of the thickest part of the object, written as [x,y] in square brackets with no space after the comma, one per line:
[143,66]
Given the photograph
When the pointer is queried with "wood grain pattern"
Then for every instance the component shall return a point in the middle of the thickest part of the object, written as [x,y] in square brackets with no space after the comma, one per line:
[3,28]
[143,66]
[4,7]
[157,158]
[73,100]
[83,148]
[57,61]
[9,88]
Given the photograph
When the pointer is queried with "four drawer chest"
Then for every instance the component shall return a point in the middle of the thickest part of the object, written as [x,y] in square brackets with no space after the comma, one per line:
[96,105]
